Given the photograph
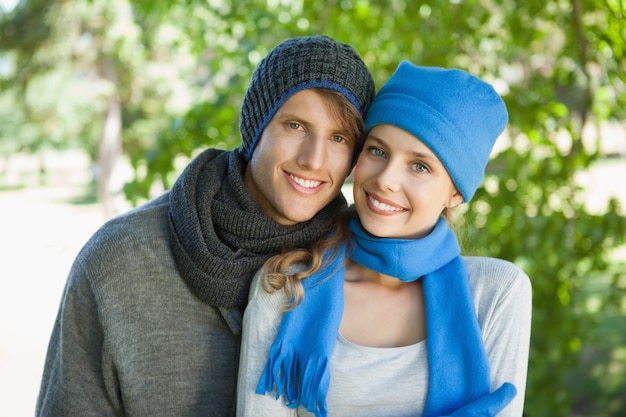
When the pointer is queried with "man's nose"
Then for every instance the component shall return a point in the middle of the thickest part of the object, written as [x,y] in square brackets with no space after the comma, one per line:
[313,152]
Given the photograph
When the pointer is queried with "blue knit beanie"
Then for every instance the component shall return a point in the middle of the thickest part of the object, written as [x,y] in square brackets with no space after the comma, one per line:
[457,115]
[297,64]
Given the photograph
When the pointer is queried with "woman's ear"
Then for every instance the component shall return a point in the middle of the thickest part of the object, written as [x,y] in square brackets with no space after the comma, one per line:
[455,199]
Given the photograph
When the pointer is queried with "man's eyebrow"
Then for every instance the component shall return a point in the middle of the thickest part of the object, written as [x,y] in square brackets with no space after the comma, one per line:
[290,115]
[301,118]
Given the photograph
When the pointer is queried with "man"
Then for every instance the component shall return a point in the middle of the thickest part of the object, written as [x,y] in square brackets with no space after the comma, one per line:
[150,319]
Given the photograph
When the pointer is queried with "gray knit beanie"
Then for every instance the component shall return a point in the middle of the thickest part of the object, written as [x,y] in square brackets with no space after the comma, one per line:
[295,65]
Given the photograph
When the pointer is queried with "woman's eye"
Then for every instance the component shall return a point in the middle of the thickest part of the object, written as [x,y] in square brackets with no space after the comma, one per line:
[376,151]
[419,167]
[295,126]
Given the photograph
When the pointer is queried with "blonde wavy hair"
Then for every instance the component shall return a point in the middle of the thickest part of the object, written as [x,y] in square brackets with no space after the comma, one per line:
[280,271]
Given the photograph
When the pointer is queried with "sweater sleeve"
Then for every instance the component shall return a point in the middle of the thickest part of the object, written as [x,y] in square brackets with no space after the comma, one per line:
[72,382]
[261,321]
[503,298]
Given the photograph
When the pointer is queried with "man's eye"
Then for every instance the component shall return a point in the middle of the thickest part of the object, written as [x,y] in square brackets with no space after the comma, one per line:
[339,139]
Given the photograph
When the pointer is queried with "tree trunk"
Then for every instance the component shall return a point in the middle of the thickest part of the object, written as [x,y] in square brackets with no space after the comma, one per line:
[110,146]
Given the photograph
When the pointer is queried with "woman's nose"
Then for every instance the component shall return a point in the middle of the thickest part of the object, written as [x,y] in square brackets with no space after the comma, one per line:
[388,178]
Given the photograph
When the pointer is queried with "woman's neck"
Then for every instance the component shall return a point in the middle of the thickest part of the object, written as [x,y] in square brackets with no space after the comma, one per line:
[357,273]
[380,310]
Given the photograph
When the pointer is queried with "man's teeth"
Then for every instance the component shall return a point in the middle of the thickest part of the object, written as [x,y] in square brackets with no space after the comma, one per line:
[306,183]
[383,206]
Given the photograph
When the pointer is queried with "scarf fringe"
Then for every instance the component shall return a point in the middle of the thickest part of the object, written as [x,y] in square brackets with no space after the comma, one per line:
[301,381]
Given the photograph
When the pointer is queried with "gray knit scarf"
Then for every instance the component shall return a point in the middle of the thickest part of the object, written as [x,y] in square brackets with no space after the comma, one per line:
[219,235]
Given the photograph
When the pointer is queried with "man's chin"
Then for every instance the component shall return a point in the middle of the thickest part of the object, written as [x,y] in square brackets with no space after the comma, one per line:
[295,215]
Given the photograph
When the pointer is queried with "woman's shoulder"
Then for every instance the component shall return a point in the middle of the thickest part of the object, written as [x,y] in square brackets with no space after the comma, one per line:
[264,312]
[501,292]
[265,297]
[493,276]
[485,267]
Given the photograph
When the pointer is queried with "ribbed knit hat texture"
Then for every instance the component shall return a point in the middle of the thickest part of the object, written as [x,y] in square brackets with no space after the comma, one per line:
[297,64]
[457,115]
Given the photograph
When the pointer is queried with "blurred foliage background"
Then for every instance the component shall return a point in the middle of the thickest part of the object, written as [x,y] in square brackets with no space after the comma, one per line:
[155,82]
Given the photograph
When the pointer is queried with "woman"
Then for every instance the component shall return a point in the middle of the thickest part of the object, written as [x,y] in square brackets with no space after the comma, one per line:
[386,318]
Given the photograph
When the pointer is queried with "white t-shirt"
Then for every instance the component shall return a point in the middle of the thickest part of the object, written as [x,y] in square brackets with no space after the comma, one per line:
[393,382]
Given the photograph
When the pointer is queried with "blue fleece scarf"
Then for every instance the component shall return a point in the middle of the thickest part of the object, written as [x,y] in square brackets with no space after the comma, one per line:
[298,365]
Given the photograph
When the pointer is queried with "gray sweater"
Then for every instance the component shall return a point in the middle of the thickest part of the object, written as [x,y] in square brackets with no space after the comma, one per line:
[131,339]
[382,382]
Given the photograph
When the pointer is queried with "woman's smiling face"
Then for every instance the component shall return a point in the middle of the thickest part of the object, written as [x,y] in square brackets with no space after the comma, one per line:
[400,186]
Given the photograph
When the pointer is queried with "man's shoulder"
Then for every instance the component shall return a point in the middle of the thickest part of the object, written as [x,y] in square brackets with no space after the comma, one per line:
[150,215]
[154,208]
[145,227]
